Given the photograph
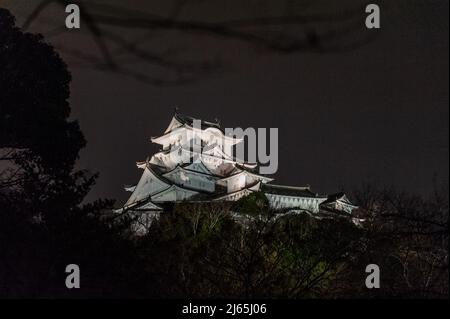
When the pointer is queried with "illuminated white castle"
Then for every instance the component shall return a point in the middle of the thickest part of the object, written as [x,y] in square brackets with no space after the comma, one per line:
[196,164]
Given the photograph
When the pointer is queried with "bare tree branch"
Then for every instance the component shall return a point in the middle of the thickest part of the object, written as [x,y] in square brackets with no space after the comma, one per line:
[286,33]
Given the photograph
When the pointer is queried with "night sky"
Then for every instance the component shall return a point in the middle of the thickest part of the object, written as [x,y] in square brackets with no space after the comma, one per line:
[376,113]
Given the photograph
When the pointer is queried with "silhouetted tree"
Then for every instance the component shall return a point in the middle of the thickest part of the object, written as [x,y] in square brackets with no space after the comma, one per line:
[43,224]
[407,236]
[279,254]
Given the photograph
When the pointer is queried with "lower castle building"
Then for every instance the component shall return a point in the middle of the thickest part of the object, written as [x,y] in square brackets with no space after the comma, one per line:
[196,164]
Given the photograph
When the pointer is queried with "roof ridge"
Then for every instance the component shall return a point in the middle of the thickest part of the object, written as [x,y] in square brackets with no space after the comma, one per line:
[291,187]
[183,118]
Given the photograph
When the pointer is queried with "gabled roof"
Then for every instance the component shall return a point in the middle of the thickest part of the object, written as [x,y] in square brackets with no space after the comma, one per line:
[239,169]
[174,123]
[249,167]
[214,146]
[146,206]
[183,168]
[256,186]
[333,197]
[199,167]
[209,147]
[288,190]
[160,172]
[145,186]
[176,188]
[205,155]
[143,204]
[130,188]
[338,197]
[188,120]
[180,122]
[142,164]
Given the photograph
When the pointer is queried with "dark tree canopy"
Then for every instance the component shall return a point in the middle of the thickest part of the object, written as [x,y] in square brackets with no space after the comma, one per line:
[39,145]
[34,93]
[43,224]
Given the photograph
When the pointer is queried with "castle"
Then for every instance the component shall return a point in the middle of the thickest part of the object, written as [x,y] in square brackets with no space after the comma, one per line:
[196,164]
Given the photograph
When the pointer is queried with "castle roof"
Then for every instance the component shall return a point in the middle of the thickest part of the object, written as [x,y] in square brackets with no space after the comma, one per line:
[288,190]
[188,120]
[160,172]
[207,172]
[239,170]
[179,120]
[337,197]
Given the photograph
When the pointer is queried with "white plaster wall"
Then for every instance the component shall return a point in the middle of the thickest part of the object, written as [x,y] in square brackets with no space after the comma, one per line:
[192,180]
[236,183]
[283,201]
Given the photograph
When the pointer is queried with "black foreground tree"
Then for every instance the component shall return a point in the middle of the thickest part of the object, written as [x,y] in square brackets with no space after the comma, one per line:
[43,224]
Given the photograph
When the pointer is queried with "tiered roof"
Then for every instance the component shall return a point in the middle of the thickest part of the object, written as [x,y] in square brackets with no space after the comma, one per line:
[180,122]
[288,190]
[180,119]
[167,178]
